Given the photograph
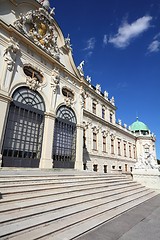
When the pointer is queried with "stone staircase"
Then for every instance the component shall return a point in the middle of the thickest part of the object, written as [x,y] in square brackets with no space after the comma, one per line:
[62,205]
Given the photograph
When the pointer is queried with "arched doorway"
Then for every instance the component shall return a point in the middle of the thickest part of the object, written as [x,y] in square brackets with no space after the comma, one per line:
[24,130]
[64,144]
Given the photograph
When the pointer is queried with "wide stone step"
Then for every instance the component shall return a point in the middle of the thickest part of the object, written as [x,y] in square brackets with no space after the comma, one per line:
[51,223]
[56,183]
[23,201]
[24,193]
[72,232]
[58,203]
[23,180]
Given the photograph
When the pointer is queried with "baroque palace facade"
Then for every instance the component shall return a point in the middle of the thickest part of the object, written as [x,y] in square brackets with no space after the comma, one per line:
[50,114]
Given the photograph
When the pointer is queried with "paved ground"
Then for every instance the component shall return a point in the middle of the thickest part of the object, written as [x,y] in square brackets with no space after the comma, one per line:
[140,223]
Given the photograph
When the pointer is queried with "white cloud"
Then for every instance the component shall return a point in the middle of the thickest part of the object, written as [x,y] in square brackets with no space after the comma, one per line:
[105,39]
[154,46]
[127,32]
[90,44]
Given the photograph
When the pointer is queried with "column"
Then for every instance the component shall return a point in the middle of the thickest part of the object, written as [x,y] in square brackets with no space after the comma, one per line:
[47,145]
[4,105]
[79,148]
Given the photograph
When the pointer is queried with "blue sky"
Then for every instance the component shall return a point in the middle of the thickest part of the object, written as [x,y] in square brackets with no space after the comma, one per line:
[120,43]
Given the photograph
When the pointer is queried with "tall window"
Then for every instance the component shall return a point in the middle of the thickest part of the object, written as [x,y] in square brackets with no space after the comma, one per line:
[84,138]
[94,107]
[126,167]
[103,112]
[119,148]
[104,143]
[84,102]
[125,150]
[105,168]
[130,153]
[94,141]
[112,146]
[134,151]
[111,117]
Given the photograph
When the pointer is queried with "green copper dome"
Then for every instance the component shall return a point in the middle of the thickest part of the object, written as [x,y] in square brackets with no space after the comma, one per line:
[138,126]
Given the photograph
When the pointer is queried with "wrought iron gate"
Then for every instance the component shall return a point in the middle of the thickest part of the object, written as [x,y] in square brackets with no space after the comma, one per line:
[64,145]
[24,131]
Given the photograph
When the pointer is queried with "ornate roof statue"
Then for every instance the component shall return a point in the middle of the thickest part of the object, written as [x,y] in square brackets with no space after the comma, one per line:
[45,3]
[80,68]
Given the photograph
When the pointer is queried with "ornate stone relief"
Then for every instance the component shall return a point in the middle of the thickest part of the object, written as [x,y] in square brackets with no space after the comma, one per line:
[105,133]
[34,77]
[38,26]
[11,53]
[68,101]
[95,129]
[55,79]
[33,83]
[86,125]
[83,96]
[112,135]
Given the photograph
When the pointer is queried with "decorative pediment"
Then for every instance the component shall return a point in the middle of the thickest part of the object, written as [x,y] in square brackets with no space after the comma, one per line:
[38,26]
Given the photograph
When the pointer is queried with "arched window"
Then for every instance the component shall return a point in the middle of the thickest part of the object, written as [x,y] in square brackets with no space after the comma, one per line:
[28,98]
[64,144]
[24,131]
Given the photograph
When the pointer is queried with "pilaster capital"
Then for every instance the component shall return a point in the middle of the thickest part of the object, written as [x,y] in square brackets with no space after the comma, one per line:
[5,98]
[49,115]
[80,126]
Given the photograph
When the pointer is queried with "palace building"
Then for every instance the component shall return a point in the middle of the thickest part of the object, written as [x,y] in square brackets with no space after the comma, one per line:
[50,114]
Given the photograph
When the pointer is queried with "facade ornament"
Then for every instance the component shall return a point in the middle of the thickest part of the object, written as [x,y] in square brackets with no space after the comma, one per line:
[112,135]
[55,79]
[11,53]
[104,133]
[112,101]
[80,68]
[98,88]
[125,125]
[38,26]
[83,95]
[95,129]
[106,95]
[68,101]
[88,78]
[33,83]
[86,125]
[68,42]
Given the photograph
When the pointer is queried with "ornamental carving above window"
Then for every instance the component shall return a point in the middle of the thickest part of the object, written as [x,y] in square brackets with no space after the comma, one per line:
[68,93]
[34,77]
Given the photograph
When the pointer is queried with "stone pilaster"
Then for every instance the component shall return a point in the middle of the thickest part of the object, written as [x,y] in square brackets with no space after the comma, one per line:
[47,145]
[4,104]
[79,148]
